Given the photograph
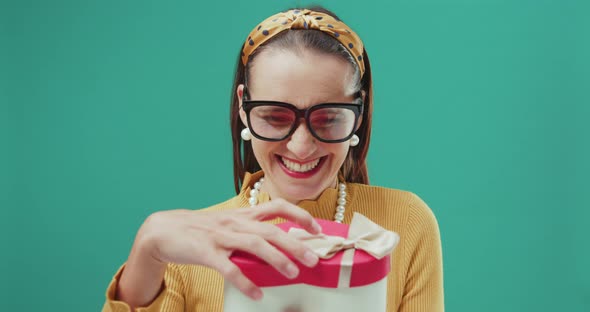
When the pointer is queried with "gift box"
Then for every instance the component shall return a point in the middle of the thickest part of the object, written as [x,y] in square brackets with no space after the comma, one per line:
[351,274]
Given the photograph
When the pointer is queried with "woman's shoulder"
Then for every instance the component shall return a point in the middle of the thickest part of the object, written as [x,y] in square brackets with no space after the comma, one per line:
[401,207]
[384,195]
[233,202]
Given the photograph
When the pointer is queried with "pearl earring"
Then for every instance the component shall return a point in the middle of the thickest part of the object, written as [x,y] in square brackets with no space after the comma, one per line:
[354,141]
[246,135]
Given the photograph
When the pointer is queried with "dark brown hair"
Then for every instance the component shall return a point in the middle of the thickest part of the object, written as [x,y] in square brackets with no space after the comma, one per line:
[354,168]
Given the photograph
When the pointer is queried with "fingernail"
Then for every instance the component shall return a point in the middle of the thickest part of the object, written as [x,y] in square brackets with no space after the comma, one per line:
[292,271]
[310,259]
[257,294]
[316,227]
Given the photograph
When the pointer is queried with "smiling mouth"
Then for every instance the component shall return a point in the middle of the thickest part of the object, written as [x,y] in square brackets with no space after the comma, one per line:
[300,168]
[293,166]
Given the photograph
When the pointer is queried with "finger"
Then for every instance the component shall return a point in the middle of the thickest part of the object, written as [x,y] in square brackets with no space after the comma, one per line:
[232,274]
[284,209]
[256,245]
[281,240]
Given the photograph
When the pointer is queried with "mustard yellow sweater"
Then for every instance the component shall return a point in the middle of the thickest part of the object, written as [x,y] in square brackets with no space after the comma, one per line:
[415,282]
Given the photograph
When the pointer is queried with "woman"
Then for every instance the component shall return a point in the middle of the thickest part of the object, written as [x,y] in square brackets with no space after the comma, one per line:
[301,122]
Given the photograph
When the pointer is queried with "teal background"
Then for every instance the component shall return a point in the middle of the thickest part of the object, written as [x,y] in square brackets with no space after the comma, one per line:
[112,110]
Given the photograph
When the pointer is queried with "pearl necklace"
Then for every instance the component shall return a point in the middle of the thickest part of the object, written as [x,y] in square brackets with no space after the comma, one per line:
[341,202]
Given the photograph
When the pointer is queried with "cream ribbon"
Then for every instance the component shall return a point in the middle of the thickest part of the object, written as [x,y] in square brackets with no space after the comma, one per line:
[363,234]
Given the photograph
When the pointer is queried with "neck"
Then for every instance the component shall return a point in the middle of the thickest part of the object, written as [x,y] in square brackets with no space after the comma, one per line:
[340,203]
[268,187]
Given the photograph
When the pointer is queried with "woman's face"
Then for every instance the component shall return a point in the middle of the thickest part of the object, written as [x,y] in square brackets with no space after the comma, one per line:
[299,167]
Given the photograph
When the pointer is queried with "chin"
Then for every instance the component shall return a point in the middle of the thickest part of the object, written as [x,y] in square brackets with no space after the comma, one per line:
[299,181]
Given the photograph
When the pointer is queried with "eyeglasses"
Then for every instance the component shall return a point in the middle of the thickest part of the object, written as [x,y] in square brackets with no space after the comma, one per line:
[327,122]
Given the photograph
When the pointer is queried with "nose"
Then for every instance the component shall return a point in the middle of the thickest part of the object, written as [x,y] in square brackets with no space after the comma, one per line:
[302,143]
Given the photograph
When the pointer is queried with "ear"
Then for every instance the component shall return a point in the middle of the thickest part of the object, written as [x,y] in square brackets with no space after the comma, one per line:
[359,123]
[363,96]
[240,94]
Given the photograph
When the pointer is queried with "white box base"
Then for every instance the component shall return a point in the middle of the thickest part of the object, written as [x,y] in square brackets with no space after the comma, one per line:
[306,298]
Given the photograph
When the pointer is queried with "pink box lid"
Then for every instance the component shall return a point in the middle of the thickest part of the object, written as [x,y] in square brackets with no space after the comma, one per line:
[365,269]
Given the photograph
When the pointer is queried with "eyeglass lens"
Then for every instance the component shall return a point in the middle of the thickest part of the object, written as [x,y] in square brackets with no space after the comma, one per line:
[276,122]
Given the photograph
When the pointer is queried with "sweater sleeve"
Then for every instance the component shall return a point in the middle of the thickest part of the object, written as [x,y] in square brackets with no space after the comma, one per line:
[424,280]
[170,298]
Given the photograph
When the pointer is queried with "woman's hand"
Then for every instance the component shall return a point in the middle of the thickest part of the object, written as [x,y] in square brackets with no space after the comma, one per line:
[209,238]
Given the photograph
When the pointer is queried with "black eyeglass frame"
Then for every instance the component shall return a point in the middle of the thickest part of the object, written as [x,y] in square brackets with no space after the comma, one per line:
[356,108]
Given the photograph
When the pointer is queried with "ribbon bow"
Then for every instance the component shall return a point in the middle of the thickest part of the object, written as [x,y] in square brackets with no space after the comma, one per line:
[363,234]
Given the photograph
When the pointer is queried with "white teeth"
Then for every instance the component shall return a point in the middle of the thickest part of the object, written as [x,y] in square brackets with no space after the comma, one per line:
[293,166]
